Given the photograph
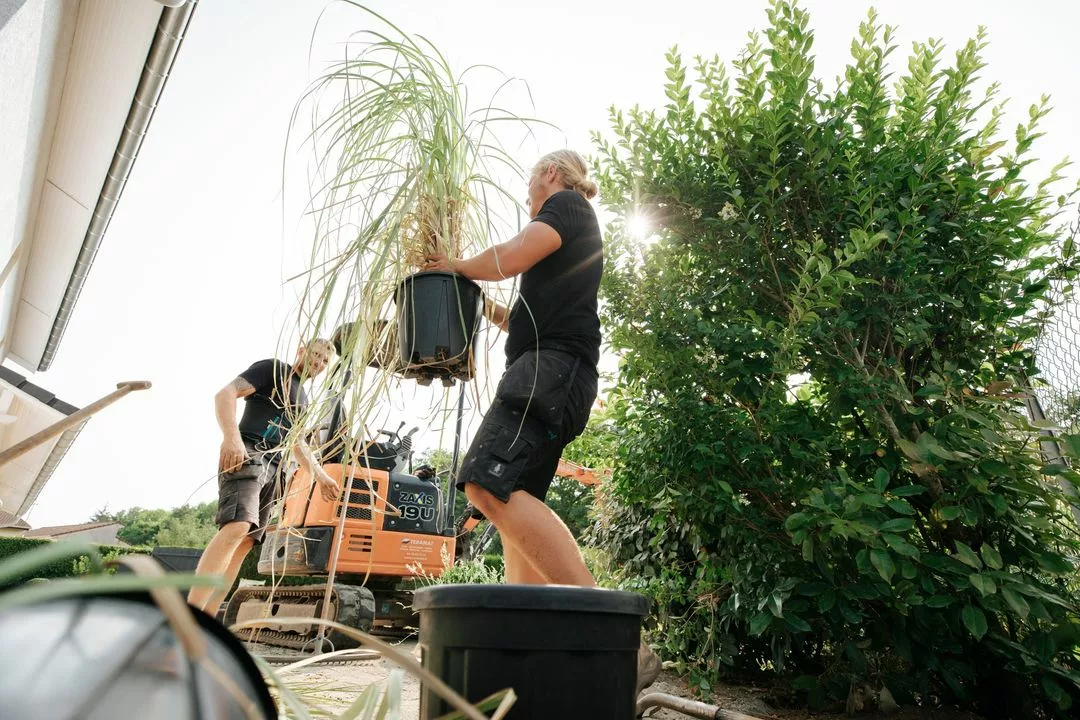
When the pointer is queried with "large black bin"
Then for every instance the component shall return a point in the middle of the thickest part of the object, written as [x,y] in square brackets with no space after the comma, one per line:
[438,315]
[568,652]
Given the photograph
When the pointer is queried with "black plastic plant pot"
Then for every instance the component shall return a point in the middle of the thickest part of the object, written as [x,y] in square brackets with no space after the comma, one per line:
[568,652]
[98,657]
[438,315]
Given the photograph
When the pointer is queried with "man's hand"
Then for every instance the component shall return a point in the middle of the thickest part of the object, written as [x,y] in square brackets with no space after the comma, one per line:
[233,454]
[328,486]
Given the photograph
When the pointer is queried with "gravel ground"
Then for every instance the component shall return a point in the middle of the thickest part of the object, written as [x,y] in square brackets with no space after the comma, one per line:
[334,687]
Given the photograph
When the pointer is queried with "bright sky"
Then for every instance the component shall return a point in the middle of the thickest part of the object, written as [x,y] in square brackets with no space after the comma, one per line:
[187,289]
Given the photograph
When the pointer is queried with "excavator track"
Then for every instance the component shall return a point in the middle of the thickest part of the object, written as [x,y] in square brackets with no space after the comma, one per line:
[349,605]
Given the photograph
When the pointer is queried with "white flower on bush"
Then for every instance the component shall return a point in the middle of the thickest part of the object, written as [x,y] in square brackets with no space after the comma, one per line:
[727,212]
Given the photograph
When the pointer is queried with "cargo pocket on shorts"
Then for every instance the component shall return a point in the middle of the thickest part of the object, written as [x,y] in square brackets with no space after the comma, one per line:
[538,383]
[497,458]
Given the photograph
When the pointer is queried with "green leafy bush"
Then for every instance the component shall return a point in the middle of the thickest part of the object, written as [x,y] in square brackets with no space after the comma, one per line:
[824,467]
[482,570]
[10,546]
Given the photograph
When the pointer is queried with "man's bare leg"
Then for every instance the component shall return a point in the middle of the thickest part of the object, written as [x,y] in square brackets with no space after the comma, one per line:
[214,603]
[537,533]
[218,558]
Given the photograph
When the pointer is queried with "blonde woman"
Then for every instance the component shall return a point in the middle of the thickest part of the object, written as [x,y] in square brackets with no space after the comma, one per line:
[544,397]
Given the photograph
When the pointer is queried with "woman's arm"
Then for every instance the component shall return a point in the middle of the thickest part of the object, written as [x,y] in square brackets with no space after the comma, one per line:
[499,315]
[505,260]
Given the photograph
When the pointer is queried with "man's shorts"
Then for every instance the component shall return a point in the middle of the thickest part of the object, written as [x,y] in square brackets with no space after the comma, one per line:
[248,494]
[542,403]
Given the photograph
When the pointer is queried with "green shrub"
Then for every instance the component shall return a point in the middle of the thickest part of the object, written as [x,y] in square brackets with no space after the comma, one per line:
[824,467]
[61,568]
[484,570]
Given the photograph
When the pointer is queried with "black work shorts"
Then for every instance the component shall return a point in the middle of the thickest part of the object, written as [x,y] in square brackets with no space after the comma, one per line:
[542,403]
[249,493]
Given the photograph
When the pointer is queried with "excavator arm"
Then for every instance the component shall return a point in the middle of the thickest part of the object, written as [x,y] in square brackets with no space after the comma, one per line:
[583,475]
[566,469]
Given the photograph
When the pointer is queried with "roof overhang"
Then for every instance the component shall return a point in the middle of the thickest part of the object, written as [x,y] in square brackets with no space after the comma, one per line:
[25,409]
[80,84]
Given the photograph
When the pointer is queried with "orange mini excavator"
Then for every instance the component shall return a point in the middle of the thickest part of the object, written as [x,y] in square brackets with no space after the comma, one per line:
[388,526]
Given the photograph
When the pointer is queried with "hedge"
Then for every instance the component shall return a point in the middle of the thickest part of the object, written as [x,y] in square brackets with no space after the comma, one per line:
[68,567]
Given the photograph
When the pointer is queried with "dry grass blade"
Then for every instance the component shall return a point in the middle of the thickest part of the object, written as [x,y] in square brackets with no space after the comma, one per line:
[288,697]
[363,704]
[499,702]
[351,654]
[403,660]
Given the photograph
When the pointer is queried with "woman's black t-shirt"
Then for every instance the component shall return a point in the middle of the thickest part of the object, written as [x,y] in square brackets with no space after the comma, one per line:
[556,308]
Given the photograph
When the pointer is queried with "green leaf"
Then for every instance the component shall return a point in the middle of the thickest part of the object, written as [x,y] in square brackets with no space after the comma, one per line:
[995,467]
[1016,602]
[1069,444]
[797,623]
[851,616]
[795,521]
[949,512]
[776,605]
[901,546]
[884,564]
[991,557]
[813,589]
[967,556]
[984,584]
[910,449]
[908,490]
[974,621]
[897,525]
[901,506]
[1054,691]
[936,449]
[881,479]
[1054,563]
[759,622]
[939,601]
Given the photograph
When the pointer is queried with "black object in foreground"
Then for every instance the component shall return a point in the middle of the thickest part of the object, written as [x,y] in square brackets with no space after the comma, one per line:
[567,652]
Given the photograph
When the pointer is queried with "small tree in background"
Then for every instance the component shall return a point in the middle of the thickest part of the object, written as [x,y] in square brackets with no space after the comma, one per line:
[185,526]
[825,469]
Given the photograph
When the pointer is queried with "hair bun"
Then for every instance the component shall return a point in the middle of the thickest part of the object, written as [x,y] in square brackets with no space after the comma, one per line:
[587,188]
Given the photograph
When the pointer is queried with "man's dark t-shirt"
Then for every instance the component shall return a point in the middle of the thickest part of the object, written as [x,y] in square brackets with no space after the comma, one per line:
[556,308]
[278,399]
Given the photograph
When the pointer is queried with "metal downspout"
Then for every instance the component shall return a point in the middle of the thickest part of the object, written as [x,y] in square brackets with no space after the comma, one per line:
[159,61]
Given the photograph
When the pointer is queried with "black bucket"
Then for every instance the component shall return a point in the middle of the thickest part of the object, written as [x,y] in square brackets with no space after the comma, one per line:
[568,652]
[177,559]
[98,657]
[438,315]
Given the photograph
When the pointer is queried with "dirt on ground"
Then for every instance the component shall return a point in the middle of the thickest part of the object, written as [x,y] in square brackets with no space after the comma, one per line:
[334,687]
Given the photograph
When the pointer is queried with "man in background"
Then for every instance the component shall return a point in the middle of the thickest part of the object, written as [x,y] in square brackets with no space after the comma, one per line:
[250,477]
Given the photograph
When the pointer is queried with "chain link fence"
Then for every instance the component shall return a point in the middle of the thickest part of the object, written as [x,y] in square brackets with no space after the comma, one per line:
[1058,356]
[1056,397]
